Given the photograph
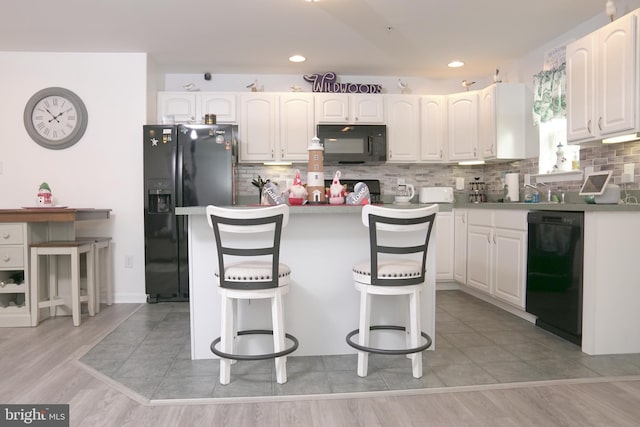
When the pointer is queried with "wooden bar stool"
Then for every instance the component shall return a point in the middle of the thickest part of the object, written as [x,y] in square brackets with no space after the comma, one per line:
[102,267]
[398,241]
[243,274]
[72,249]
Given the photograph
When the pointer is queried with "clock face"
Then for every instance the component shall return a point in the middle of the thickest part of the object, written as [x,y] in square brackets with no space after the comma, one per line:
[55,118]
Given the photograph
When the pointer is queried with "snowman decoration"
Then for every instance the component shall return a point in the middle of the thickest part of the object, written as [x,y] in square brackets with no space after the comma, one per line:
[297,192]
[336,190]
[44,198]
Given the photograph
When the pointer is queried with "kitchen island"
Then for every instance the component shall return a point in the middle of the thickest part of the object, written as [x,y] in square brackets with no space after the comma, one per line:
[321,244]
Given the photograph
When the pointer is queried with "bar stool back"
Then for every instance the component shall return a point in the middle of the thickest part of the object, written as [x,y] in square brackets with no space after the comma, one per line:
[398,242]
[243,273]
[72,249]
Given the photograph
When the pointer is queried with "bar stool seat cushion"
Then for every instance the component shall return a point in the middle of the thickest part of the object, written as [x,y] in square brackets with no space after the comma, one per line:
[388,269]
[255,271]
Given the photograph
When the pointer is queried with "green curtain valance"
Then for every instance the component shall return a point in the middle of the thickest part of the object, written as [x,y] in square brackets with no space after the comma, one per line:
[549,94]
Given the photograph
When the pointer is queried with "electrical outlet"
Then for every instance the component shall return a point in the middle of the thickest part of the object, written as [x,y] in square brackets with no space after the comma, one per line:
[527,179]
[459,183]
[128,261]
[628,173]
[400,181]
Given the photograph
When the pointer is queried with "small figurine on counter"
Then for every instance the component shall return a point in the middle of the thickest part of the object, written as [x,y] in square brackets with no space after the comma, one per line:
[336,190]
[44,197]
[297,192]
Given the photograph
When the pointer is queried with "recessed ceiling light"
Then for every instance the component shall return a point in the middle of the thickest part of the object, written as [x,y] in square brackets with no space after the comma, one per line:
[455,64]
[297,58]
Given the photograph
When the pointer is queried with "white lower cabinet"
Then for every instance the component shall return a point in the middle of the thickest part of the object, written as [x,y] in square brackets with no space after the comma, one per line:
[444,246]
[460,245]
[479,249]
[497,254]
[14,288]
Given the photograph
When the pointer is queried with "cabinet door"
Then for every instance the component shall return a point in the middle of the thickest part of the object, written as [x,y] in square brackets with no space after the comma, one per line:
[479,257]
[403,128]
[367,109]
[460,246]
[510,266]
[223,105]
[580,90]
[617,76]
[463,126]
[331,108]
[433,121]
[257,130]
[487,124]
[182,105]
[296,126]
[444,246]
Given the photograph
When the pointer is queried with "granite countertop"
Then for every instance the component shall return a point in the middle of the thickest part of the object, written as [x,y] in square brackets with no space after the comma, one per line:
[575,207]
[313,209]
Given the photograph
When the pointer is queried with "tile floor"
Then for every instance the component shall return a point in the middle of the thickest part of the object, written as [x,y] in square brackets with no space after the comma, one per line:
[477,344]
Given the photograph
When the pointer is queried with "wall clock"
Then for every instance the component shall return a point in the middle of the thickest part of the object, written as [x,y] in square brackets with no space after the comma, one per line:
[55,118]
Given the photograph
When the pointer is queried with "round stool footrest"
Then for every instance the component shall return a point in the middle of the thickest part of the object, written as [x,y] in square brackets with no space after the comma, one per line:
[385,351]
[224,355]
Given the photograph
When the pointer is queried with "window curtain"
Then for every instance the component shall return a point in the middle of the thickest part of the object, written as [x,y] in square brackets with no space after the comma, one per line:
[549,94]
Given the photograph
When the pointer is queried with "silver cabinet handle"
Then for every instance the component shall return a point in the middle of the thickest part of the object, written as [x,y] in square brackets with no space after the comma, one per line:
[440,153]
[6,235]
[589,126]
[600,123]
[282,153]
[6,258]
[272,154]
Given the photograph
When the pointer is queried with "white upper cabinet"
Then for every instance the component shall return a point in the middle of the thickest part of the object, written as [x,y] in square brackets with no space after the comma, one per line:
[462,124]
[189,107]
[506,128]
[181,105]
[257,132]
[602,82]
[223,105]
[296,126]
[403,128]
[275,127]
[433,128]
[347,108]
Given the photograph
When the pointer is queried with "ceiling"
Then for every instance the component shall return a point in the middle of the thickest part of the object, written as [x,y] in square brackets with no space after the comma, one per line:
[414,38]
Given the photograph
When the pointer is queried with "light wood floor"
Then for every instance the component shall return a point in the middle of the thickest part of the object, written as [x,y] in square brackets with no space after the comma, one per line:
[40,365]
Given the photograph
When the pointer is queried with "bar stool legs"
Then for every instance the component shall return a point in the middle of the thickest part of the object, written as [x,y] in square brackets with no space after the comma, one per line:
[53,250]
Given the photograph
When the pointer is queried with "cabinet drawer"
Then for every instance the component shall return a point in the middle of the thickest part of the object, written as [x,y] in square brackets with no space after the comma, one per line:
[11,256]
[10,234]
[515,220]
[482,217]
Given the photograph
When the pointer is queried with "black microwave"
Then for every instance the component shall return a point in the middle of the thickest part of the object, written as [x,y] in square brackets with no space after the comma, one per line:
[353,144]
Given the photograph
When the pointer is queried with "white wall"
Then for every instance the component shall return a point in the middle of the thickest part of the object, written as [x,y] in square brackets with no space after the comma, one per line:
[104,169]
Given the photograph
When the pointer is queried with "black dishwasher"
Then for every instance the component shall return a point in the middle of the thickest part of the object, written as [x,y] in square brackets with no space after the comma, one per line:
[554,272]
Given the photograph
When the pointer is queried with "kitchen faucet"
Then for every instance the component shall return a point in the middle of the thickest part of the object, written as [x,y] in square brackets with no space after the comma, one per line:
[548,190]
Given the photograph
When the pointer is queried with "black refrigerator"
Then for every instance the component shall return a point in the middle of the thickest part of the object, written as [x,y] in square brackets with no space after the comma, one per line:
[184,165]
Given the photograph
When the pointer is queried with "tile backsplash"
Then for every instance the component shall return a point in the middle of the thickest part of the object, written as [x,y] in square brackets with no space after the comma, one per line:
[600,157]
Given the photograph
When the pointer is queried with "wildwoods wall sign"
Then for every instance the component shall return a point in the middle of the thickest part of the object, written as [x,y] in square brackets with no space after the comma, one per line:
[327,83]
